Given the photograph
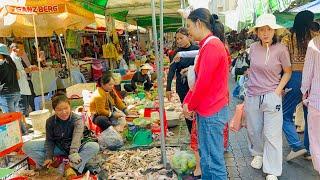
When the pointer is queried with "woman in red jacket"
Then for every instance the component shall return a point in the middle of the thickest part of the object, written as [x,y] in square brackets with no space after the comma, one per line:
[209,98]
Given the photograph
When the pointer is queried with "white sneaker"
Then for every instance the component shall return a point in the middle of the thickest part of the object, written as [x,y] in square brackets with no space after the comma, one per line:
[256,163]
[271,177]
[293,155]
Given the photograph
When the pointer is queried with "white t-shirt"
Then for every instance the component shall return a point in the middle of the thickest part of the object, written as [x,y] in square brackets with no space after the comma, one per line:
[23,80]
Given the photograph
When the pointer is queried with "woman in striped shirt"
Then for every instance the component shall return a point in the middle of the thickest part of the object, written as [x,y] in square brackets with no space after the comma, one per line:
[310,89]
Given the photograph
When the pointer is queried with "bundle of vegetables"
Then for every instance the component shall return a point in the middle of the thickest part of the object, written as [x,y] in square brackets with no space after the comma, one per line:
[183,162]
[141,122]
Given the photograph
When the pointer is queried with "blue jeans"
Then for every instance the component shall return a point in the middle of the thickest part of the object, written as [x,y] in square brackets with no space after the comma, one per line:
[36,151]
[10,102]
[210,137]
[290,102]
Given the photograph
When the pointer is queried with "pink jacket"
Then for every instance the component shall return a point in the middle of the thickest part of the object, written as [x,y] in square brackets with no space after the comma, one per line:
[311,73]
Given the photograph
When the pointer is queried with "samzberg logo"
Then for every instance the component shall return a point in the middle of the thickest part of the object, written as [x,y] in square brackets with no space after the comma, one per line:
[36,9]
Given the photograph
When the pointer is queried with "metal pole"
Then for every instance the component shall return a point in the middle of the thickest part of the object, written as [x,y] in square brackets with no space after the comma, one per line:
[159,61]
[182,7]
[38,59]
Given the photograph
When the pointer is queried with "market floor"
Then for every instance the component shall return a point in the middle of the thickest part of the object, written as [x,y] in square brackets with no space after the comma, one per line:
[238,159]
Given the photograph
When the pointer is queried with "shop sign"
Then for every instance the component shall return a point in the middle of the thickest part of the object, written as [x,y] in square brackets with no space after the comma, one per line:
[47,9]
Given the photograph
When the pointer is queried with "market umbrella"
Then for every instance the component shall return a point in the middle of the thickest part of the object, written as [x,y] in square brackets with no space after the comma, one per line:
[33,18]
[51,16]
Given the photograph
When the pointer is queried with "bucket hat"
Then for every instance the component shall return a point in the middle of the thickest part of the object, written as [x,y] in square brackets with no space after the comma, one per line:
[4,49]
[266,20]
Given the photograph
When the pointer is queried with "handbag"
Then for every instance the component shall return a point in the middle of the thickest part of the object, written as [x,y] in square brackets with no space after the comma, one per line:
[191,76]
[237,121]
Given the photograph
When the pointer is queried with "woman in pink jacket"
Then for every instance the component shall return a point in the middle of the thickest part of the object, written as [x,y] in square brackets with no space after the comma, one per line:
[311,97]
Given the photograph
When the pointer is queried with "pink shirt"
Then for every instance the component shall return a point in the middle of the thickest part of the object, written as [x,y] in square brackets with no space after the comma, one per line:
[311,73]
[266,67]
[210,92]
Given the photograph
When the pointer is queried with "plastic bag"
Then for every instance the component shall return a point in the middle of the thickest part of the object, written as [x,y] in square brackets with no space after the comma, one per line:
[183,162]
[237,121]
[191,77]
[110,139]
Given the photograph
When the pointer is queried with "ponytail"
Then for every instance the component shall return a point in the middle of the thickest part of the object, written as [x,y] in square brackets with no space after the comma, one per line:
[211,21]
[217,27]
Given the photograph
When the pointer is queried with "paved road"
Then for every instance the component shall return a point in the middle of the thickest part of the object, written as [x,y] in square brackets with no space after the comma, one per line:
[238,161]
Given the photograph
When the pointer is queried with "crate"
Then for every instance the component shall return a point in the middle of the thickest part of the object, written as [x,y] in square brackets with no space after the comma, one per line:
[10,133]
[15,163]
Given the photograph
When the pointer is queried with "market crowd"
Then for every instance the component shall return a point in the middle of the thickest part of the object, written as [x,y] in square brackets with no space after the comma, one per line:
[280,69]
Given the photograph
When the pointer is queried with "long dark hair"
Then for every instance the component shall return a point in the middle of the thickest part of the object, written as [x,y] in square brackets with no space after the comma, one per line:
[302,27]
[211,21]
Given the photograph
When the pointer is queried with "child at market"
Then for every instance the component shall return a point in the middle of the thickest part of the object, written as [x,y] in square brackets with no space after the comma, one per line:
[64,136]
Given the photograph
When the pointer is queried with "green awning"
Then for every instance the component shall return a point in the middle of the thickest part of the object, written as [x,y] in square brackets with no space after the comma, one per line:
[95,6]
[167,21]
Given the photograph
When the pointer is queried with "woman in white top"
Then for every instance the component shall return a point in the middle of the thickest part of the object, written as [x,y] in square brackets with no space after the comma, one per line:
[25,91]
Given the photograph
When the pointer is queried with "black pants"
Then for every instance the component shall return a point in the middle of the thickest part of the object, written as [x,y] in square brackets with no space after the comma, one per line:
[182,90]
[130,88]
[103,122]
[31,99]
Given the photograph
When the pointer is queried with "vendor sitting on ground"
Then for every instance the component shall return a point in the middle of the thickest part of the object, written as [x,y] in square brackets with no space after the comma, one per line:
[140,78]
[104,102]
[64,133]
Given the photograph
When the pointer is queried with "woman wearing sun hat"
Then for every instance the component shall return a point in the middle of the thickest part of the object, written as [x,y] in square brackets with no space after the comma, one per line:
[263,104]
[140,78]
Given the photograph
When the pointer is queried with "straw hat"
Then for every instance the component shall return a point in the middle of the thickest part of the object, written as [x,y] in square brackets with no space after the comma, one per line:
[266,20]
[4,50]
[146,67]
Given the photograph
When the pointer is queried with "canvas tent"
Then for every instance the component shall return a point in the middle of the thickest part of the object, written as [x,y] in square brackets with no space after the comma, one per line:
[137,12]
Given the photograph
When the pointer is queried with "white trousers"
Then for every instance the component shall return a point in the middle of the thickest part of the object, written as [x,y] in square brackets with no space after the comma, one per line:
[264,124]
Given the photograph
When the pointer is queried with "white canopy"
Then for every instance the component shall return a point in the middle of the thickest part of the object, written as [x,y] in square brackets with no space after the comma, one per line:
[312,6]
